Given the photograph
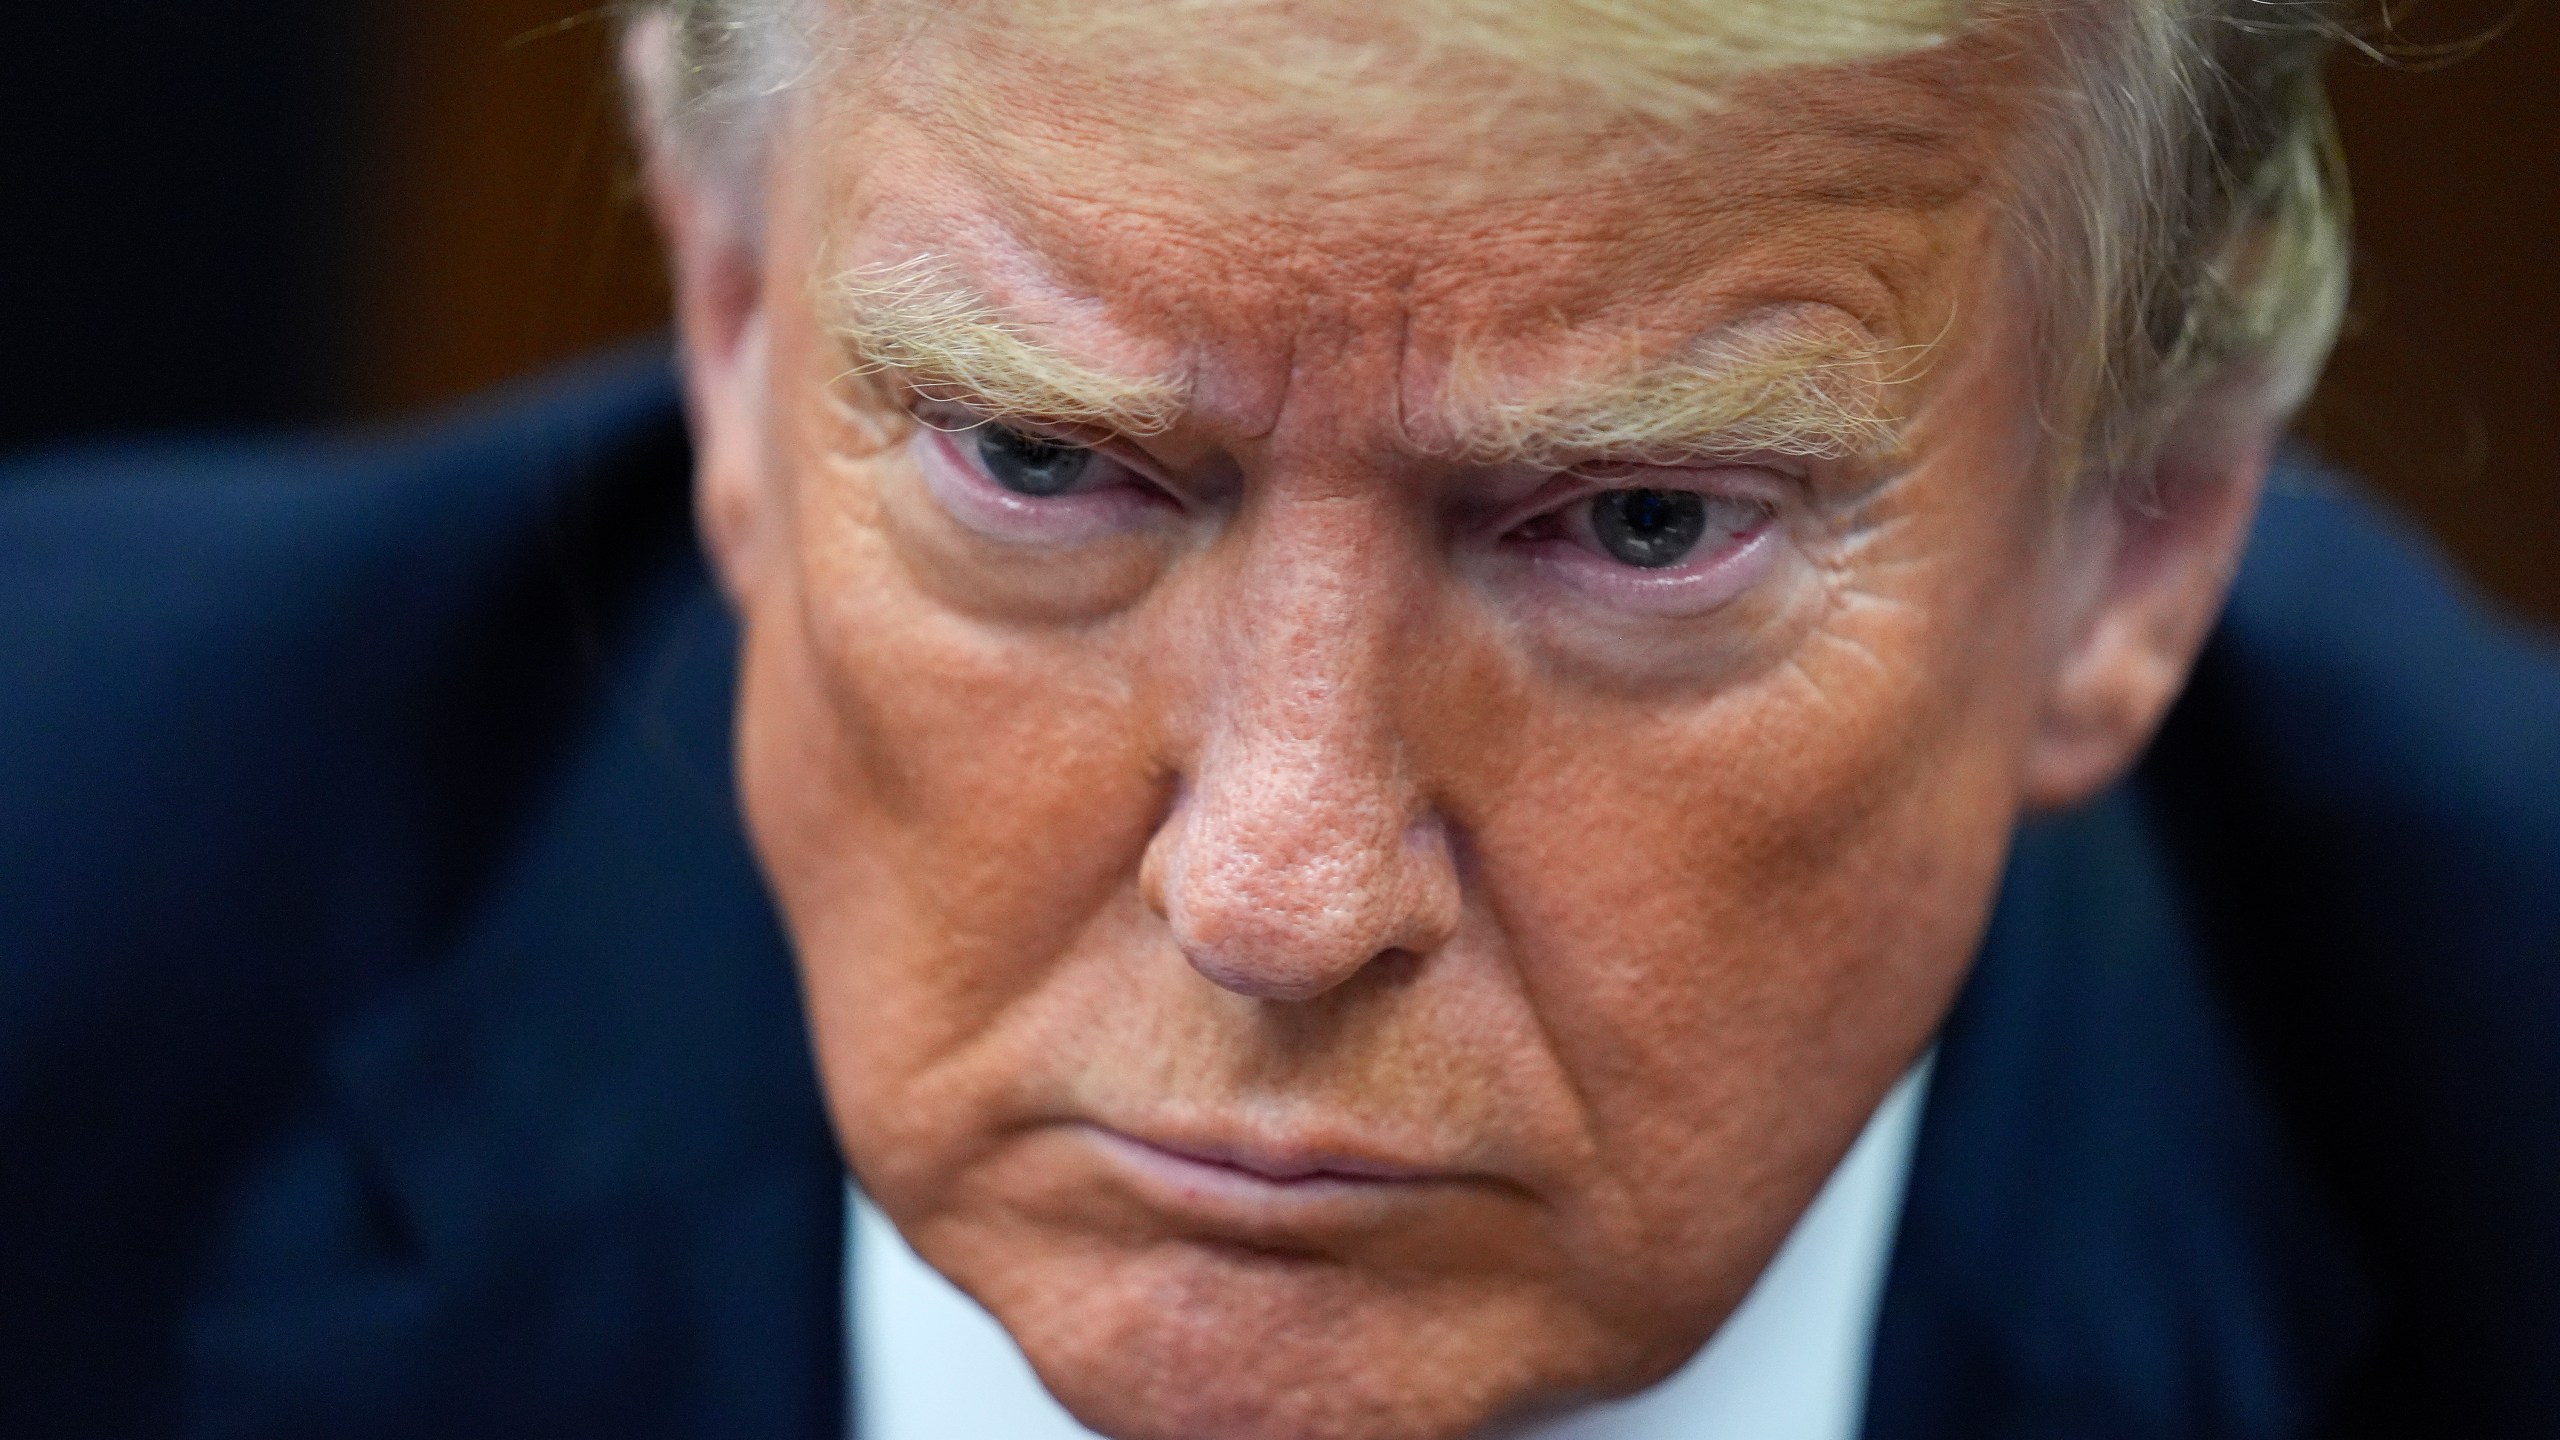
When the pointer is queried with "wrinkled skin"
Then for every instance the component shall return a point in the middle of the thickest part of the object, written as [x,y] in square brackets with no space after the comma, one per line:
[1315,958]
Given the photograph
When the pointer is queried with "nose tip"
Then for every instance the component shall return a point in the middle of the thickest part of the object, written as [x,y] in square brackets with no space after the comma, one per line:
[1305,846]
[1290,906]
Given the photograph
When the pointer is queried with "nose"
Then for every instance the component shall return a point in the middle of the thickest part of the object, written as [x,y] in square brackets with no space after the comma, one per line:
[1303,848]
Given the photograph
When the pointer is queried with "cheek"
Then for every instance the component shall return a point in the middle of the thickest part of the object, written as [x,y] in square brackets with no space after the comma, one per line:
[943,807]
[1739,921]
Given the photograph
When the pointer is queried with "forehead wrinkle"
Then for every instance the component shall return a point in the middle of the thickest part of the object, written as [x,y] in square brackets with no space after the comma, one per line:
[917,318]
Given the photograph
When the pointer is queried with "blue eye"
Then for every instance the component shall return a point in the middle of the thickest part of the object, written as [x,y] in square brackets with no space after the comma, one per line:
[1032,465]
[1649,529]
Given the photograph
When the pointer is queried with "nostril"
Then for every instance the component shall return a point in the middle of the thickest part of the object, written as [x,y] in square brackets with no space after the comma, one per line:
[1391,968]
[1154,886]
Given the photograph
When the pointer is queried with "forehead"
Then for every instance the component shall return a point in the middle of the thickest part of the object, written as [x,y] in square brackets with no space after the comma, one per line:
[1110,198]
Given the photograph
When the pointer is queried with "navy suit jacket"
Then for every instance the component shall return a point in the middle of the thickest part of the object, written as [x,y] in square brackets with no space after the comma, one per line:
[395,1039]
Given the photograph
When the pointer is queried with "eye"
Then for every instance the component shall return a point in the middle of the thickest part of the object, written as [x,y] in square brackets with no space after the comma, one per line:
[1693,539]
[1027,464]
[1658,529]
[1022,485]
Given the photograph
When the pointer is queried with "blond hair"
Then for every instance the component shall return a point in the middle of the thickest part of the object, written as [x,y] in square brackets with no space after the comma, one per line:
[2181,197]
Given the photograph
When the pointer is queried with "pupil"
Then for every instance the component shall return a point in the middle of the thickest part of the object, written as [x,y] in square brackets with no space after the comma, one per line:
[1031,464]
[1649,528]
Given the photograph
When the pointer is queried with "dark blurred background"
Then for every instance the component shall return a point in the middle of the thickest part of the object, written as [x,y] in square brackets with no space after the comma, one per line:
[295,211]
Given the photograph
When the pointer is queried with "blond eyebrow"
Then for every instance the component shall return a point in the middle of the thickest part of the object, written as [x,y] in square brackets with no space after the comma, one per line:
[916,318]
[1786,392]
[1779,390]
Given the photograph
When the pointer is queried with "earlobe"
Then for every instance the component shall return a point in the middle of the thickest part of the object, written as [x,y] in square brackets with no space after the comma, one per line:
[2155,561]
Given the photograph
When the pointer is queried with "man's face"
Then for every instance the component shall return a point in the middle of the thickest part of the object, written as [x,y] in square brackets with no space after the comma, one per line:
[1358,851]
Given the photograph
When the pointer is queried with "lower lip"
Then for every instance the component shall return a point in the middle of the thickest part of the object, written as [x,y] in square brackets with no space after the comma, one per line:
[1249,1199]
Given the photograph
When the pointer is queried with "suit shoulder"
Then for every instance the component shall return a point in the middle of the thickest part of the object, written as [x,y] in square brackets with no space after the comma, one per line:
[2362,790]
[373,916]
[231,664]
[2375,691]
[115,532]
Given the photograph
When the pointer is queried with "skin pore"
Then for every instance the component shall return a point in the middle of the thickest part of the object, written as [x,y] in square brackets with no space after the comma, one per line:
[1295,919]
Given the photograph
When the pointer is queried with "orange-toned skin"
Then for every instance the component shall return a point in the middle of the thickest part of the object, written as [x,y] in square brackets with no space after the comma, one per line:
[1304,820]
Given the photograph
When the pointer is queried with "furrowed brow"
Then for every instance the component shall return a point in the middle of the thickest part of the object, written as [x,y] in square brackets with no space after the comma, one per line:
[1816,397]
[915,318]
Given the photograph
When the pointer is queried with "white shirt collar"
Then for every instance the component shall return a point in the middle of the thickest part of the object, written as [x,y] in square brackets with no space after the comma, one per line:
[1791,1364]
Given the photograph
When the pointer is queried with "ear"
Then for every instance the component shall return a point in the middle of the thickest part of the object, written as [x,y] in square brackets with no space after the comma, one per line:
[2151,557]
[715,262]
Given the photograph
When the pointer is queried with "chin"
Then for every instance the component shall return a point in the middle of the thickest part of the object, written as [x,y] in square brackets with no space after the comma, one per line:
[1183,1340]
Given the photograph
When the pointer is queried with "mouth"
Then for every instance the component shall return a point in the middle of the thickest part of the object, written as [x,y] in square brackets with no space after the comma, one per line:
[1265,1189]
